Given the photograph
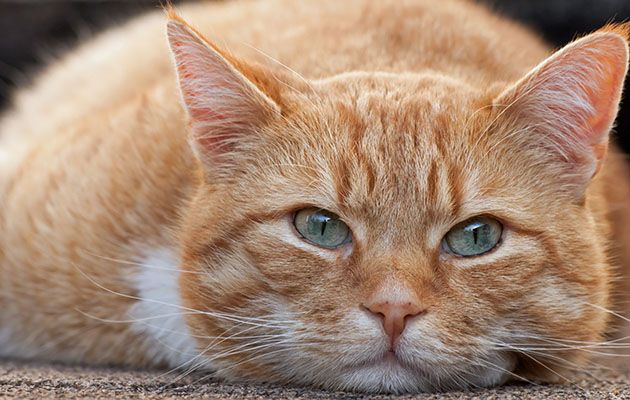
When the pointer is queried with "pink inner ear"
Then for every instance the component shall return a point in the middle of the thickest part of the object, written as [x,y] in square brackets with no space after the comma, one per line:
[604,94]
[223,105]
[575,94]
[199,114]
[606,98]
[605,104]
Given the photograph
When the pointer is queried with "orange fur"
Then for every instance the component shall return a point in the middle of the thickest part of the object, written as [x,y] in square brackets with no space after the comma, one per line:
[403,118]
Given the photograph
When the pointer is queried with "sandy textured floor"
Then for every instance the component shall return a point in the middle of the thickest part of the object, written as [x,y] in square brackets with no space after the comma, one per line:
[32,381]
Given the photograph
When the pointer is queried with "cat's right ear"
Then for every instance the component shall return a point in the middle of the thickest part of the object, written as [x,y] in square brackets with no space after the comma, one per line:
[223,105]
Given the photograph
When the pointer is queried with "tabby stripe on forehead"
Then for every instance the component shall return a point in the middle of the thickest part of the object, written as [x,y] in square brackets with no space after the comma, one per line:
[432,182]
[370,175]
[341,180]
[441,164]
[452,184]
[356,127]
[455,188]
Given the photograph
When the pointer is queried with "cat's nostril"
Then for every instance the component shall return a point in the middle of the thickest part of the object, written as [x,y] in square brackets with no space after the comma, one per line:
[394,316]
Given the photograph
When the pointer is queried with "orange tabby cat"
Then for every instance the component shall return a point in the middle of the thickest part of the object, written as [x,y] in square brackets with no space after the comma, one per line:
[390,196]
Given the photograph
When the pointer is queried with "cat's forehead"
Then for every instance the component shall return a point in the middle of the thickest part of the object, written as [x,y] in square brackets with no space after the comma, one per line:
[408,118]
[384,90]
[388,144]
[378,149]
[388,109]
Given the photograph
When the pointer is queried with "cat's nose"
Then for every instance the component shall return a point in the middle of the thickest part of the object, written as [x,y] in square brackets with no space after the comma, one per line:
[394,316]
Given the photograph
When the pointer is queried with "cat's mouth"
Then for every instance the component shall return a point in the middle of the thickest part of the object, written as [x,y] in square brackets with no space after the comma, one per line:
[390,357]
[388,360]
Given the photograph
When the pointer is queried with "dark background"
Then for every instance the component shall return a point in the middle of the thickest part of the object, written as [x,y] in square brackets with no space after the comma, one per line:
[33,32]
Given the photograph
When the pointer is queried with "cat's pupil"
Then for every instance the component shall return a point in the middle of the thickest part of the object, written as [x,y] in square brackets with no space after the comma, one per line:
[478,229]
[475,234]
[317,223]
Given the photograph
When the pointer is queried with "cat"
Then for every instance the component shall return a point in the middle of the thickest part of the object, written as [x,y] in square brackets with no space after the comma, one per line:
[392,196]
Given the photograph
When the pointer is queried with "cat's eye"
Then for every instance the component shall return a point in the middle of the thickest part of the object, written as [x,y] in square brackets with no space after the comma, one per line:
[321,228]
[473,237]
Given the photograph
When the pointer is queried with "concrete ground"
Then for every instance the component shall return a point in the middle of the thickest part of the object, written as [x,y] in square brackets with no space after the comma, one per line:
[36,381]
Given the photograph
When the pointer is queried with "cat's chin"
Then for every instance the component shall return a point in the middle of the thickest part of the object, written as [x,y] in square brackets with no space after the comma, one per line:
[388,360]
[390,373]
[386,374]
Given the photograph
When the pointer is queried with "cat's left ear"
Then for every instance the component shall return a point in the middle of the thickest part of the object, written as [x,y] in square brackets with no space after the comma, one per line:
[569,102]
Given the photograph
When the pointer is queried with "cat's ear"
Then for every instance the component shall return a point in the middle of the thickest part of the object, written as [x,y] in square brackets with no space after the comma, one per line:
[224,106]
[569,102]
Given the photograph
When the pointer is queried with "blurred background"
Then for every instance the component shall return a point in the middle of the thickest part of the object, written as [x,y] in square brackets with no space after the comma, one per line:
[33,32]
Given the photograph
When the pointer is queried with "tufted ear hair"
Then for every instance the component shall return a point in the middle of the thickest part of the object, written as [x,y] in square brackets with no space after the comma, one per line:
[225,107]
[570,102]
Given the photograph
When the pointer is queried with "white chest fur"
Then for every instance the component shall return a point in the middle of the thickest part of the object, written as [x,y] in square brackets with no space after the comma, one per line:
[159,313]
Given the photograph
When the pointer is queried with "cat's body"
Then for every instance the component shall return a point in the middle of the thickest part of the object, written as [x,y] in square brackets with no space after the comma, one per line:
[103,200]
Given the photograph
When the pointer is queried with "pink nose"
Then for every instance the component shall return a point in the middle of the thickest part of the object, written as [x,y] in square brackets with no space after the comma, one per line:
[394,316]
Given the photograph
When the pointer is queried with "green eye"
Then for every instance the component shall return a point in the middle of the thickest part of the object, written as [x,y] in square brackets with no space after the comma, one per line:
[321,228]
[474,236]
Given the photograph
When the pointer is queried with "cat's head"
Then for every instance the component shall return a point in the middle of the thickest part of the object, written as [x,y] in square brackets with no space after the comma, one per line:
[396,232]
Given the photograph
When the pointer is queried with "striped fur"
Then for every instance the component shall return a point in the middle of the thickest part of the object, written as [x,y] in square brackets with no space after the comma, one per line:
[404,118]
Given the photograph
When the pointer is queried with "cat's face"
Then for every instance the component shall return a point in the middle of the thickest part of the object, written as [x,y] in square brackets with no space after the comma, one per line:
[400,161]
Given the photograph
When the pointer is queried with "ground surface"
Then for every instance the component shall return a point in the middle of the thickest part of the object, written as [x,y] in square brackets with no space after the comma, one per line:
[31,381]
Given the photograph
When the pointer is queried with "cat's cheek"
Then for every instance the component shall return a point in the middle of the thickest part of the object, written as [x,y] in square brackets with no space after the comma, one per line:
[292,266]
[564,309]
